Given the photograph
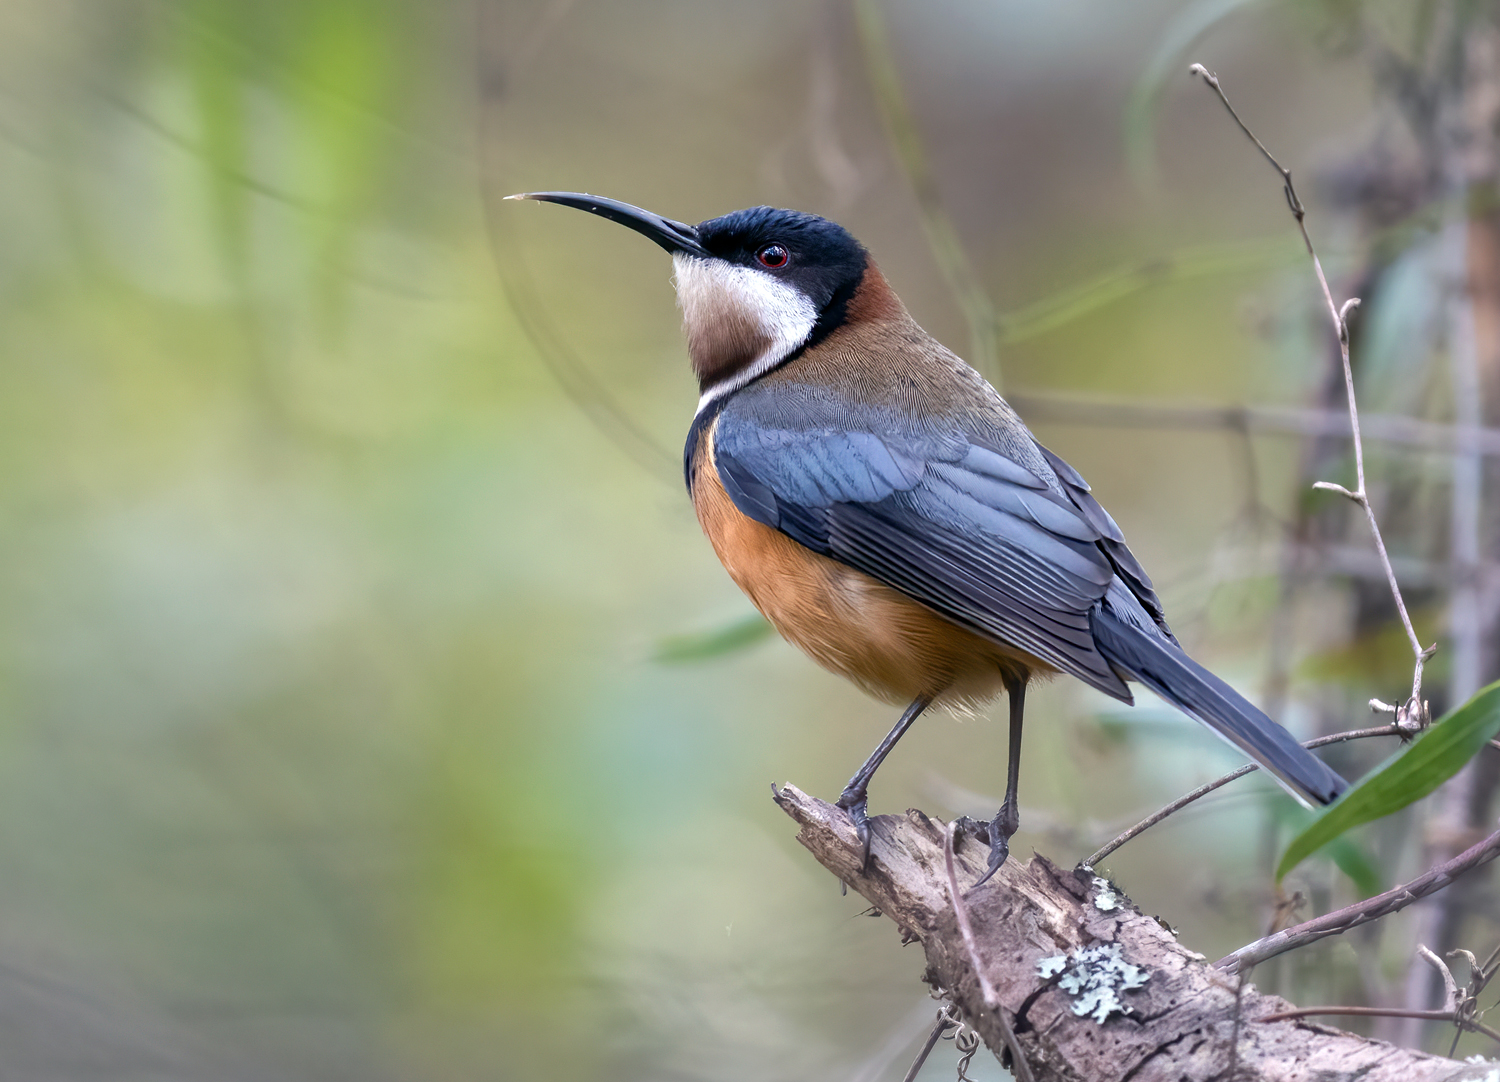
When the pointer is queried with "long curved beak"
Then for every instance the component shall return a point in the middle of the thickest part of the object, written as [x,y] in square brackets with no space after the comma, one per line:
[673,236]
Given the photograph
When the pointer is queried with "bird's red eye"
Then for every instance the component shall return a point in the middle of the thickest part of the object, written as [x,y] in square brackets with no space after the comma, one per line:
[773,256]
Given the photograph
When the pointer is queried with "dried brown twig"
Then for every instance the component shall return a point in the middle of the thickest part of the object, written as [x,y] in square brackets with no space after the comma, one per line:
[1465,1003]
[1352,916]
[1092,861]
[1413,714]
[961,915]
[947,1018]
[1459,1005]
[1382,1012]
[1019,1066]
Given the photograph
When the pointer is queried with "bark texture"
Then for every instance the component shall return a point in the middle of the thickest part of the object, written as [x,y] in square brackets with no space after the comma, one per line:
[1180,1023]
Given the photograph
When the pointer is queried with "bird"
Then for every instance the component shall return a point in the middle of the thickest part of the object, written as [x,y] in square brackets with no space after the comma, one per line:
[889,513]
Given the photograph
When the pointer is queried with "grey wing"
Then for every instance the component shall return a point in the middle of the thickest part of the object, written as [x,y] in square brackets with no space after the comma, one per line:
[1111,540]
[993,545]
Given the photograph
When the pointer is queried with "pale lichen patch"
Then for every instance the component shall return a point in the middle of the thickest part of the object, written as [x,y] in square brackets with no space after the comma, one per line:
[1051,967]
[1480,1061]
[1094,977]
[1106,899]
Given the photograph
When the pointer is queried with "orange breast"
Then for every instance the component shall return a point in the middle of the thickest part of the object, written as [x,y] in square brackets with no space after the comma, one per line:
[891,646]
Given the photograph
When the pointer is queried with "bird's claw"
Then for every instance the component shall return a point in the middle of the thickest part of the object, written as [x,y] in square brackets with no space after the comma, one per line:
[999,851]
[1000,831]
[856,803]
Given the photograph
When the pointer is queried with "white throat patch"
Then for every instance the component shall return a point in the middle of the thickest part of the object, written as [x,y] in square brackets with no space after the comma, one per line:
[739,318]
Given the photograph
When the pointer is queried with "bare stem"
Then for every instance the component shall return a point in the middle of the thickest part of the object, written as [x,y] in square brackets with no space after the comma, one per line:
[1414,713]
[1385,1012]
[1019,1066]
[1273,420]
[1203,790]
[1341,920]
[961,914]
[947,1017]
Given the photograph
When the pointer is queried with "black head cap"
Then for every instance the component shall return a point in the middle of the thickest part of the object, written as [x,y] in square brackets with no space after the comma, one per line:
[817,256]
[812,254]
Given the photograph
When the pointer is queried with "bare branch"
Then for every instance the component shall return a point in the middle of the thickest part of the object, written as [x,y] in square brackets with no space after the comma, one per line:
[1450,986]
[1341,920]
[947,1017]
[1414,713]
[961,914]
[1019,1065]
[1384,1012]
[1271,420]
[1031,917]
[1203,790]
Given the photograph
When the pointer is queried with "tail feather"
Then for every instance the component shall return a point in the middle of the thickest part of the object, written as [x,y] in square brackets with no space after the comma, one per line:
[1163,667]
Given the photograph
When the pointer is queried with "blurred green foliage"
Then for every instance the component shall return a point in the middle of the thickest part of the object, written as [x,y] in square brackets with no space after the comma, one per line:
[705,645]
[333,737]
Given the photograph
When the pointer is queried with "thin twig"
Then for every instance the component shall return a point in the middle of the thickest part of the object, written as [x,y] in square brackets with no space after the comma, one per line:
[1019,1066]
[1414,713]
[1383,1012]
[947,1016]
[1203,790]
[1465,1003]
[1341,920]
[1268,420]
[1450,986]
[1239,1021]
[961,914]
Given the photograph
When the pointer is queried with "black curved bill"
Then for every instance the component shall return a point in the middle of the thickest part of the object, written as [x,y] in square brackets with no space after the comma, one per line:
[673,236]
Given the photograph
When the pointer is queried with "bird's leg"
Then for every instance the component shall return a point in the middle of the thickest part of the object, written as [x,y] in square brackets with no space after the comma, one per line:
[854,799]
[1008,819]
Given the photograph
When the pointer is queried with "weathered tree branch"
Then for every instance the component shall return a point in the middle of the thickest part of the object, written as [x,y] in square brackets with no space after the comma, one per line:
[1178,1023]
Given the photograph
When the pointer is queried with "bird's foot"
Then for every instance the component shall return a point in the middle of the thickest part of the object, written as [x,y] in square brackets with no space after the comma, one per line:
[856,802]
[1000,830]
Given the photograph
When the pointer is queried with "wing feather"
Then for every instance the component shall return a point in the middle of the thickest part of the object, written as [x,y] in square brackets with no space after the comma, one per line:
[995,545]
[1112,542]
[974,519]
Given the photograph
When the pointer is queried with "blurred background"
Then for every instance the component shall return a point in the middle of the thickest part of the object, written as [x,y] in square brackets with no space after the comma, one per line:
[370,705]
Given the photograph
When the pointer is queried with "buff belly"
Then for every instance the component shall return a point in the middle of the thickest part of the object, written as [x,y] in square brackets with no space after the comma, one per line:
[851,624]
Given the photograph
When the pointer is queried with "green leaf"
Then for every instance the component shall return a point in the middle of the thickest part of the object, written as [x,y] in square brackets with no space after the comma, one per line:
[1348,855]
[706,645]
[1431,759]
[1352,859]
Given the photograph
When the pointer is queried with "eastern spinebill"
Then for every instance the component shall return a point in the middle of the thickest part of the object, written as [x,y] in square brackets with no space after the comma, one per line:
[892,516]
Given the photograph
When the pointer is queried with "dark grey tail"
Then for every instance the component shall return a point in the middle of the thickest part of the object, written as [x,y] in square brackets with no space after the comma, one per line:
[1162,666]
